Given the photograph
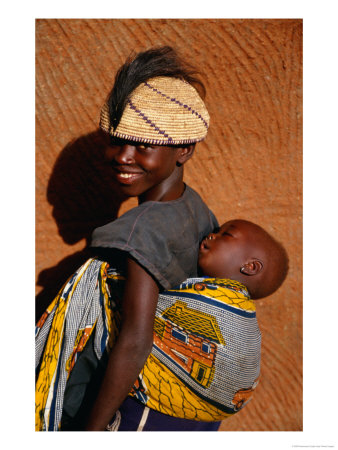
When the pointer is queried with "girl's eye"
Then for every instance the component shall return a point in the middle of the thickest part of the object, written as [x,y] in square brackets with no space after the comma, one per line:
[226,233]
[145,147]
[113,141]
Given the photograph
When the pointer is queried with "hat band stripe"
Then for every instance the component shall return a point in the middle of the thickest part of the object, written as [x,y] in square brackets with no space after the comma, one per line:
[154,141]
[178,103]
[148,121]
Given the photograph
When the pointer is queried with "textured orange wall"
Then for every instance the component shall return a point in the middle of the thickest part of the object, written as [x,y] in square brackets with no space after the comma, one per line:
[250,165]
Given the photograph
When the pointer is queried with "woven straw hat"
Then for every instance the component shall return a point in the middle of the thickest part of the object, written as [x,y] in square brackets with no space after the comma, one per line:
[161,111]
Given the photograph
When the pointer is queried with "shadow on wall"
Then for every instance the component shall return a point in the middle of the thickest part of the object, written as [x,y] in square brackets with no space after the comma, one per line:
[83,197]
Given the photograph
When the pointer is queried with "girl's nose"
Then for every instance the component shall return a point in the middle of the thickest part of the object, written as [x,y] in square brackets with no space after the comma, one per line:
[125,154]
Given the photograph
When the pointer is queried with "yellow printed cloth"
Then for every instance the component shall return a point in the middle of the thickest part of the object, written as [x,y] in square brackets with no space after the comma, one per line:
[205,360]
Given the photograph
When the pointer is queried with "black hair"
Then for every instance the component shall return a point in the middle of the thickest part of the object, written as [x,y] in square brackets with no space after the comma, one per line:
[155,62]
[277,273]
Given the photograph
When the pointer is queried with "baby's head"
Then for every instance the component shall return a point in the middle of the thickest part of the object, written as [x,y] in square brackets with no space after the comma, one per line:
[243,251]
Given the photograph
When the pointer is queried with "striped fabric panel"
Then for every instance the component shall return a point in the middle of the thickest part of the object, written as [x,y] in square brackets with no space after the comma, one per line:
[82,295]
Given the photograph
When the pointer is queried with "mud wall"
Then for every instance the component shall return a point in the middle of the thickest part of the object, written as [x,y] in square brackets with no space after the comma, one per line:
[250,165]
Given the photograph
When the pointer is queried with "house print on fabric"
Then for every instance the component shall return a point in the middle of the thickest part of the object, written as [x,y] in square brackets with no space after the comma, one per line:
[189,337]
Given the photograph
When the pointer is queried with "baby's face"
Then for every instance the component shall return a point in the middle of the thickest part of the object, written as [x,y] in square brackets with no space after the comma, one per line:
[222,254]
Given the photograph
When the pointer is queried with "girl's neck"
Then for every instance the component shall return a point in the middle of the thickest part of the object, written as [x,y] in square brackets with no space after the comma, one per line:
[171,188]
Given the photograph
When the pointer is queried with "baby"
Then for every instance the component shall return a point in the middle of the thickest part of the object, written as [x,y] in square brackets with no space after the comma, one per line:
[205,360]
[243,251]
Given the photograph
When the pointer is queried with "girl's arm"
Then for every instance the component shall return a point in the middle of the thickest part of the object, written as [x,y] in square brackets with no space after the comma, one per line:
[132,347]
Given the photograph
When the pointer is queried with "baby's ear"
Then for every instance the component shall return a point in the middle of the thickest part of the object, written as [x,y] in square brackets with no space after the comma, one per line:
[185,153]
[252,267]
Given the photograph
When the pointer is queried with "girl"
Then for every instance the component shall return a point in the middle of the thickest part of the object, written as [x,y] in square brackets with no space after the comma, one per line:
[154,117]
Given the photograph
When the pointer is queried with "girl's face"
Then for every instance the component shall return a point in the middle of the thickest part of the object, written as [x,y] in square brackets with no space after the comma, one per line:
[140,169]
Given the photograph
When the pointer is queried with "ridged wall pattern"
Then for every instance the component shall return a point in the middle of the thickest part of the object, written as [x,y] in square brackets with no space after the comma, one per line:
[250,165]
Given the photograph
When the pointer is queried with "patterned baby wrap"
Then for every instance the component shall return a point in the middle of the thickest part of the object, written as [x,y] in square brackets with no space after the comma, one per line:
[205,360]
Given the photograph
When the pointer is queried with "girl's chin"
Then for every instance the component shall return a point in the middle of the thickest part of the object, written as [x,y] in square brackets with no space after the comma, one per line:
[130,190]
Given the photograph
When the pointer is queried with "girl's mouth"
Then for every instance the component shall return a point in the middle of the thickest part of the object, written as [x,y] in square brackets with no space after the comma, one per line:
[127,177]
